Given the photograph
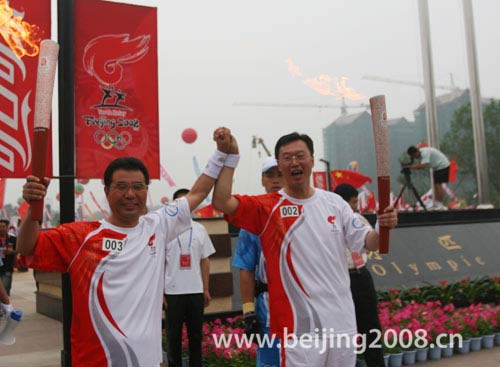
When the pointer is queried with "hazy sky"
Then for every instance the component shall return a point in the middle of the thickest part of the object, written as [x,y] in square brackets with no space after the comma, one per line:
[212,54]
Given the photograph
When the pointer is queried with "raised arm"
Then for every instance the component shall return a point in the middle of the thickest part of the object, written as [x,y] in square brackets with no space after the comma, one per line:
[202,186]
[33,190]
[222,199]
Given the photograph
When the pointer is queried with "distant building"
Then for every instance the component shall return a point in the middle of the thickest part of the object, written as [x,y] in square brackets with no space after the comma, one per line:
[446,105]
[350,138]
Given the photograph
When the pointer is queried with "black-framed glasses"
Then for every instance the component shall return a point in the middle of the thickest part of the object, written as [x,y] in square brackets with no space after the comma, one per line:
[125,186]
[299,157]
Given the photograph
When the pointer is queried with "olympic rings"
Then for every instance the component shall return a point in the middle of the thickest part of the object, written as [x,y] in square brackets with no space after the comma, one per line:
[112,139]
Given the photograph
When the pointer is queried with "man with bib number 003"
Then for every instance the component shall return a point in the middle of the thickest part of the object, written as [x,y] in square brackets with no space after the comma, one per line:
[116,265]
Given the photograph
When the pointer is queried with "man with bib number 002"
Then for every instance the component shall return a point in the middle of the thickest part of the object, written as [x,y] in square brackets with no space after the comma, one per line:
[303,233]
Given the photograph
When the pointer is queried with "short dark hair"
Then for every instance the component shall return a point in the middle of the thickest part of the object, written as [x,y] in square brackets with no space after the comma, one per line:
[290,138]
[180,192]
[5,221]
[346,191]
[412,151]
[127,164]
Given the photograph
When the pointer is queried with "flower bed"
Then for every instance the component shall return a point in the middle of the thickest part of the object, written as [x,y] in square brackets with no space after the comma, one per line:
[410,319]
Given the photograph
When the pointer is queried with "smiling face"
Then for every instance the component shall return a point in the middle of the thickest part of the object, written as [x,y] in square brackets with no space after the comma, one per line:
[295,162]
[126,196]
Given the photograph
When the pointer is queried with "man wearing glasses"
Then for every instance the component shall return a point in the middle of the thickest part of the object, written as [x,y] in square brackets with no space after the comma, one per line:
[304,232]
[117,265]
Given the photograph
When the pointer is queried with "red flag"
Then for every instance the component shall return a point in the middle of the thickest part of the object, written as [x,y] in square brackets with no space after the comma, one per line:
[18,83]
[319,180]
[23,208]
[371,203]
[208,211]
[341,176]
[453,170]
[116,76]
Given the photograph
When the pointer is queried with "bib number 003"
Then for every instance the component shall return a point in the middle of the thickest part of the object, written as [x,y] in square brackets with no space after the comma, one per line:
[112,245]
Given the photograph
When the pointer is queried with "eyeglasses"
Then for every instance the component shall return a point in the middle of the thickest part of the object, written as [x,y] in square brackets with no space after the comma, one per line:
[124,186]
[299,157]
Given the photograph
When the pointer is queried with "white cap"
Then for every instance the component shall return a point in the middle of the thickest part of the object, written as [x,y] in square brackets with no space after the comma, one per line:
[268,163]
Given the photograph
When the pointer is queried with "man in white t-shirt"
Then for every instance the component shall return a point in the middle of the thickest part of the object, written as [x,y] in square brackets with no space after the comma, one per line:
[432,158]
[186,289]
[117,265]
[303,233]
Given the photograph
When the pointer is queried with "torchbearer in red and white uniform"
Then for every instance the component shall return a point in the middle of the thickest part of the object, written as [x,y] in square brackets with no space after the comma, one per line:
[116,265]
[304,232]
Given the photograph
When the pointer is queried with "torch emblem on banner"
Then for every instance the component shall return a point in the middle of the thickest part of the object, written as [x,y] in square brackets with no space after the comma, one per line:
[381,135]
[47,62]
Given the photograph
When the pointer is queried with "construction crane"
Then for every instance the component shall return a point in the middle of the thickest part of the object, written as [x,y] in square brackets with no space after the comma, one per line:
[451,87]
[343,106]
[256,140]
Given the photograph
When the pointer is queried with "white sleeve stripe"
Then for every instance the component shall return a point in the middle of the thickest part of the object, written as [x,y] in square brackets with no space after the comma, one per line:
[271,214]
[81,246]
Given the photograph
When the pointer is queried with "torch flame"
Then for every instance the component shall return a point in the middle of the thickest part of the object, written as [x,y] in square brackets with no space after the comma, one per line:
[347,92]
[325,84]
[292,68]
[19,35]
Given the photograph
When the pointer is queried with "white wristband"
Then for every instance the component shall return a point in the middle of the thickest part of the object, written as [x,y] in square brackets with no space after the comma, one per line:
[7,308]
[232,160]
[215,164]
[377,227]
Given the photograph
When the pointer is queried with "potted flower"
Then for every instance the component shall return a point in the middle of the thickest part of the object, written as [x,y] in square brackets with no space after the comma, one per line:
[391,347]
[497,325]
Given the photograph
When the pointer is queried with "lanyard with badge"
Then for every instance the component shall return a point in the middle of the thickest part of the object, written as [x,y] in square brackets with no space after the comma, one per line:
[185,255]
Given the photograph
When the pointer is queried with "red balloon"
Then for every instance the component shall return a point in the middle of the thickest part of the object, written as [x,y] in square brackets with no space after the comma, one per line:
[164,200]
[189,135]
[83,181]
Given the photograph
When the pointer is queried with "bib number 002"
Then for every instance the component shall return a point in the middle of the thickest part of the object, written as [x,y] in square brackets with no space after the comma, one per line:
[289,211]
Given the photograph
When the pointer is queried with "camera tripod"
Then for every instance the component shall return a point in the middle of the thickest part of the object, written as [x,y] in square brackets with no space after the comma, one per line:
[409,185]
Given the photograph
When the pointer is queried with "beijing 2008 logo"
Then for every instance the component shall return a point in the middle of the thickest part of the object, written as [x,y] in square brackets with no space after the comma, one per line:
[105,58]
[112,139]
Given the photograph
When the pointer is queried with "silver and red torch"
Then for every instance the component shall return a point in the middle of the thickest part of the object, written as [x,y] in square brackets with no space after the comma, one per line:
[47,62]
[381,135]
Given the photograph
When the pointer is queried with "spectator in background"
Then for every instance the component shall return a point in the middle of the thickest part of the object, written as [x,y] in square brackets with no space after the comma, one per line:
[5,305]
[432,158]
[186,289]
[7,255]
[363,290]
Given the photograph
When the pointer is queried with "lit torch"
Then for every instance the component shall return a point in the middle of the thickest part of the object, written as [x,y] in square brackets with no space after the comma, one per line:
[46,73]
[381,135]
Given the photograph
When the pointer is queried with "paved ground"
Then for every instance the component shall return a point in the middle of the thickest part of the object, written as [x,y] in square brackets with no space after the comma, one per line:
[39,338]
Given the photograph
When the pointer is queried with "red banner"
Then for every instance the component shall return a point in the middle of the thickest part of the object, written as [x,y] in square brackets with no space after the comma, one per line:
[18,68]
[116,86]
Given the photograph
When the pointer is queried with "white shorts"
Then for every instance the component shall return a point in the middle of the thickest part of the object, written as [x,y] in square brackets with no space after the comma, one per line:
[327,352]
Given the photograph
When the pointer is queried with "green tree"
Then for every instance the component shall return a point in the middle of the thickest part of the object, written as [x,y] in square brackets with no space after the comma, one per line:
[458,144]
